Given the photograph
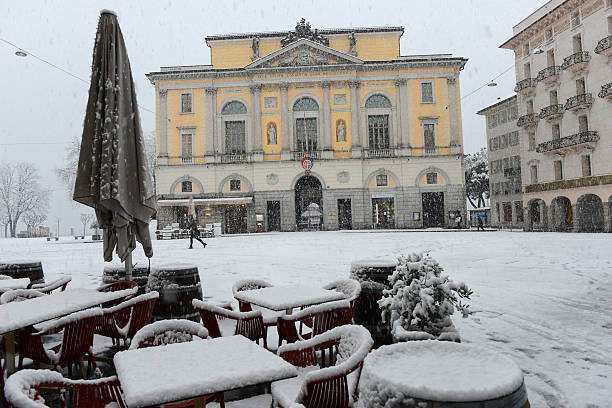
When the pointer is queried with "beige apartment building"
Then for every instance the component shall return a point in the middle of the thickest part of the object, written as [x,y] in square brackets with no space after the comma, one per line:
[504,153]
[564,70]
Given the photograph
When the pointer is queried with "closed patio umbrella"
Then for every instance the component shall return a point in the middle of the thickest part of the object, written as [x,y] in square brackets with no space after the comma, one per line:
[112,175]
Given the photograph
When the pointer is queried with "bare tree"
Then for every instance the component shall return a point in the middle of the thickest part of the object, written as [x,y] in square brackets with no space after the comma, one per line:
[477,178]
[85,219]
[19,192]
[35,217]
[4,220]
[67,174]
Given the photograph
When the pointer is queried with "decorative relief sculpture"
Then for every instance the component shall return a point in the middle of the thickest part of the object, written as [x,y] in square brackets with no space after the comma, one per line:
[340,131]
[339,99]
[272,179]
[270,102]
[303,30]
[255,48]
[271,134]
[343,177]
[352,44]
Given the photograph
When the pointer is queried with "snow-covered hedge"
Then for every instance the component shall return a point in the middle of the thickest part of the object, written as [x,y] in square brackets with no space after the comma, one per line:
[421,298]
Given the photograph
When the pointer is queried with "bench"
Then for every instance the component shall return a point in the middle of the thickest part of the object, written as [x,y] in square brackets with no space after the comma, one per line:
[79,236]
[50,238]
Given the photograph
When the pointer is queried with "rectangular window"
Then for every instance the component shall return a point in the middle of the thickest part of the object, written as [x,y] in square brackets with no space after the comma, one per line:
[610,22]
[580,86]
[432,178]
[514,138]
[186,147]
[558,170]
[507,212]
[586,166]
[583,123]
[427,92]
[429,138]
[534,174]
[503,116]
[518,210]
[529,106]
[235,137]
[556,131]
[235,185]
[381,180]
[577,42]
[532,141]
[518,188]
[378,131]
[306,131]
[514,112]
[495,143]
[576,21]
[186,105]
[554,100]
[503,141]
[550,58]
[527,70]
[492,120]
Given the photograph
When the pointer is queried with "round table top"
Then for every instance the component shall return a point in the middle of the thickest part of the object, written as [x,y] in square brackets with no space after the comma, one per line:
[442,371]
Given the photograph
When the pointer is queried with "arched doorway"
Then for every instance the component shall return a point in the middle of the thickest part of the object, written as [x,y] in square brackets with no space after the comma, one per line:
[308,203]
[590,213]
[562,216]
[537,218]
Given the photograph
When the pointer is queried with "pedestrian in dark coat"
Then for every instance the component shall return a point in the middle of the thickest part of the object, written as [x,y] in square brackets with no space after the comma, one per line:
[194,233]
[479,227]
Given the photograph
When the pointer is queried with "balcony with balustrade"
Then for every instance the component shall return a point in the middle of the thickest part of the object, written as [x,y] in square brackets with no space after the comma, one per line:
[606,91]
[576,62]
[378,153]
[604,46]
[236,158]
[588,138]
[528,121]
[299,155]
[552,112]
[526,86]
[549,75]
[579,102]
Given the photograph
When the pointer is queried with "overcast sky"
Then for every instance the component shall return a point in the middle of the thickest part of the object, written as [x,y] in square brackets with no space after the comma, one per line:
[42,108]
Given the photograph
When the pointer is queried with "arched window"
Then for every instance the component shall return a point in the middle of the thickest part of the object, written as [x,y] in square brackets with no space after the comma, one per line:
[378,121]
[234,121]
[378,101]
[306,126]
[186,187]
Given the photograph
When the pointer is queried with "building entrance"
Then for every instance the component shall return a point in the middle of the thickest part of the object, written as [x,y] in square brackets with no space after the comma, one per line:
[235,219]
[273,213]
[308,191]
[433,209]
[345,217]
[383,213]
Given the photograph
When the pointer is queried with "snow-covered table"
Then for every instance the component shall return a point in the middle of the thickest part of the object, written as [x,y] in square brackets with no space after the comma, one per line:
[279,298]
[17,315]
[431,372]
[20,283]
[163,374]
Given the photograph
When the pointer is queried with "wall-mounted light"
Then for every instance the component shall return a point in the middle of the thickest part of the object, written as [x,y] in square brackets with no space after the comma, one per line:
[538,50]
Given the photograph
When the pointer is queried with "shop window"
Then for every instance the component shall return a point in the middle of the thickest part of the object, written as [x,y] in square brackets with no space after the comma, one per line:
[518,209]
[186,103]
[432,178]
[381,180]
[235,185]
[186,187]
[507,212]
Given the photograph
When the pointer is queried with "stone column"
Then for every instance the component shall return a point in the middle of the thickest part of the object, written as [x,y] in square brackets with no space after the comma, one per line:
[325,123]
[285,136]
[255,118]
[162,156]
[452,112]
[402,117]
[210,133]
[355,119]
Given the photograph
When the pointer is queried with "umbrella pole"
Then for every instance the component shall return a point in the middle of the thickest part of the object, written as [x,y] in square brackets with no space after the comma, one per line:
[128,267]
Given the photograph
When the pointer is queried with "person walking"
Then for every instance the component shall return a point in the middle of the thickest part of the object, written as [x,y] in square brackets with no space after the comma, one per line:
[194,233]
[479,221]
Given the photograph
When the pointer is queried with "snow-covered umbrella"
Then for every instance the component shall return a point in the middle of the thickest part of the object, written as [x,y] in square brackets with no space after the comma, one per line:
[112,175]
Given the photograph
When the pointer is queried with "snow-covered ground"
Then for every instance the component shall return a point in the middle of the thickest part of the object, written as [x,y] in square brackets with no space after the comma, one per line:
[543,299]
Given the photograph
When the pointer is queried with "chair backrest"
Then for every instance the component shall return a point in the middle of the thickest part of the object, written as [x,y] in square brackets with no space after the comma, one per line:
[248,324]
[4,277]
[47,288]
[349,287]
[19,295]
[168,332]
[139,309]
[248,284]
[78,334]
[116,286]
[23,390]
[325,317]
[329,386]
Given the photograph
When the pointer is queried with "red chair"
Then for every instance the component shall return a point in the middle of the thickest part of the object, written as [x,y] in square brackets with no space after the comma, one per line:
[332,387]
[248,284]
[19,295]
[222,322]
[47,288]
[173,331]
[117,286]
[121,322]
[324,317]
[76,331]
[23,390]
[350,288]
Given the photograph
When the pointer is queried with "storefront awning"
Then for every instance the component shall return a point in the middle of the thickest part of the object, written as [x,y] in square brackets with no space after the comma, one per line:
[184,202]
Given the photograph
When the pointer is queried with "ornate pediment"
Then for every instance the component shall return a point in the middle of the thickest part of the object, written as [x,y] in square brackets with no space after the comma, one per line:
[303,30]
[304,52]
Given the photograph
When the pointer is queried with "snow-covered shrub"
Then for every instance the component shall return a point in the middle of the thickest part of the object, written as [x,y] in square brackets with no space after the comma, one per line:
[421,298]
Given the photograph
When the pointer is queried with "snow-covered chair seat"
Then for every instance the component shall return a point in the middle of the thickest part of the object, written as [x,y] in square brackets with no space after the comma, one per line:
[334,386]
[47,288]
[75,334]
[168,332]
[222,322]
[4,277]
[19,295]
[23,390]
[324,317]
[270,317]
[125,319]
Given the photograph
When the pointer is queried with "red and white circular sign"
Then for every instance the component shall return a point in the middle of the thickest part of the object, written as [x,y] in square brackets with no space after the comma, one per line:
[306,162]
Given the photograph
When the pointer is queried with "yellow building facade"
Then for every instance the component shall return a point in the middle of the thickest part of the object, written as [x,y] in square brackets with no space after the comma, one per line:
[311,129]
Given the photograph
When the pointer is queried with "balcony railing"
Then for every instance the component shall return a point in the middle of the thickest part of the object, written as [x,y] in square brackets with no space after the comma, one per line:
[531,119]
[235,158]
[298,155]
[606,91]
[552,111]
[378,153]
[582,101]
[588,136]
[512,171]
[526,85]
[604,46]
[186,159]
[549,75]
[576,61]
